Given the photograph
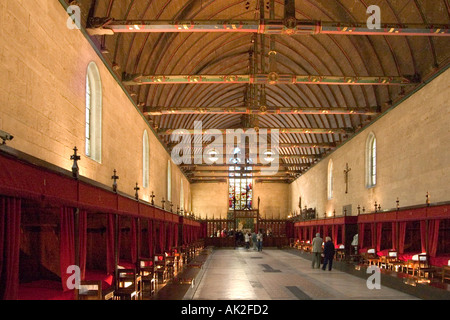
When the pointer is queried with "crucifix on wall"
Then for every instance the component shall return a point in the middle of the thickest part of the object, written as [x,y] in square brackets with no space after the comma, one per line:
[346,171]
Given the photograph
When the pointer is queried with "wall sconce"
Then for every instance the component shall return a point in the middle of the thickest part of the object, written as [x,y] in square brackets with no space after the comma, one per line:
[398,203]
[163,201]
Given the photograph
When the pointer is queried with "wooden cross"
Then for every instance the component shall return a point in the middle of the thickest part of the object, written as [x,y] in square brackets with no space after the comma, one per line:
[346,171]
[152,196]
[171,205]
[115,177]
[163,201]
[136,195]
[75,158]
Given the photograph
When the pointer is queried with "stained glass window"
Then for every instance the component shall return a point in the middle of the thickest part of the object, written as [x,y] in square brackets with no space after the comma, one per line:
[240,188]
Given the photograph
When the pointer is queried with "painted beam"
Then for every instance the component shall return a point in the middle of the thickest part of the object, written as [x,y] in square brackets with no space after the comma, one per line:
[272,79]
[288,26]
[156,111]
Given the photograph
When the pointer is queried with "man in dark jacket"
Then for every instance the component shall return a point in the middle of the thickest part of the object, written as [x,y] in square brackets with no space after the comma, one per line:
[328,253]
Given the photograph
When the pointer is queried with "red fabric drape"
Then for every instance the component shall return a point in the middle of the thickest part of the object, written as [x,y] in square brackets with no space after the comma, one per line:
[423,235]
[66,243]
[82,239]
[342,234]
[378,238]
[401,237]
[133,241]
[10,216]
[361,236]
[334,234]
[161,237]
[433,236]
[394,236]
[110,254]
[175,234]
[150,235]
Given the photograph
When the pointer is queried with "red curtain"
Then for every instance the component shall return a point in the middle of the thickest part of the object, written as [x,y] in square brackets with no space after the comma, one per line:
[161,237]
[394,236]
[334,234]
[378,239]
[150,238]
[175,234]
[433,236]
[133,241]
[423,235]
[10,214]
[401,236]
[66,244]
[82,239]
[361,235]
[110,251]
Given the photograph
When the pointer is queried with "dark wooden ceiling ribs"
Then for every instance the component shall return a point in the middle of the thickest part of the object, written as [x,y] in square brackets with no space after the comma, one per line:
[230,53]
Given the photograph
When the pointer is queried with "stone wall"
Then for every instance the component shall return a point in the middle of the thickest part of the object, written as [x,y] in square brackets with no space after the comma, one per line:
[42,102]
[413,158]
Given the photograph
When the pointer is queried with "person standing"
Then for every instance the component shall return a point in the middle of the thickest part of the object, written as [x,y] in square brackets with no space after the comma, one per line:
[328,254]
[259,239]
[254,240]
[247,240]
[316,250]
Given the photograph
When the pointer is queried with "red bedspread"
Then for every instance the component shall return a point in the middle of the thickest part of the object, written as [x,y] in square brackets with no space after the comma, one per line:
[106,279]
[44,290]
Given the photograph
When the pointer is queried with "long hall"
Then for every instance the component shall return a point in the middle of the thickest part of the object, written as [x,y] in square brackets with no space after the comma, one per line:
[273,274]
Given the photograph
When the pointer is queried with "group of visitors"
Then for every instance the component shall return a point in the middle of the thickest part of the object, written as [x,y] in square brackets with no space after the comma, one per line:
[256,240]
[327,252]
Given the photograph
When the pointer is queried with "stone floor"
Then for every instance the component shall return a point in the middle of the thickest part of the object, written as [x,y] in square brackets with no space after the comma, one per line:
[240,274]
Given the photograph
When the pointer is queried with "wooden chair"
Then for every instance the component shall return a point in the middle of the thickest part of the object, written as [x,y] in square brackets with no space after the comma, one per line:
[445,272]
[424,269]
[148,276]
[340,253]
[160,268]
[170,264]
[392,261]
[371,257]
[129,285]
[92,290]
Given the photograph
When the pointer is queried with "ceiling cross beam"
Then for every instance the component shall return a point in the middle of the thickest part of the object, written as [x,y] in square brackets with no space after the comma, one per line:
[263,79]
[287,26]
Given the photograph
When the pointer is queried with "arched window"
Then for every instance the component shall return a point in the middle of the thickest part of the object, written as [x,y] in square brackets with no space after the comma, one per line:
[93,139]
[371,161]
[330,180]
[145,160]
[169,181]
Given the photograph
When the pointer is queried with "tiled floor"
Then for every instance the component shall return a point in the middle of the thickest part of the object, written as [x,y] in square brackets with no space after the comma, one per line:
[278,275]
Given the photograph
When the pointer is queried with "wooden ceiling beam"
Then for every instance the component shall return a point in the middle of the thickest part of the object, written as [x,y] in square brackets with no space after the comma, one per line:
[263,79]
[287,26]
[262,110]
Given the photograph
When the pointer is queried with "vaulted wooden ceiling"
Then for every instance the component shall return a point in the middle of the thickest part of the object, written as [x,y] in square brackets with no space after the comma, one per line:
[337,111]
